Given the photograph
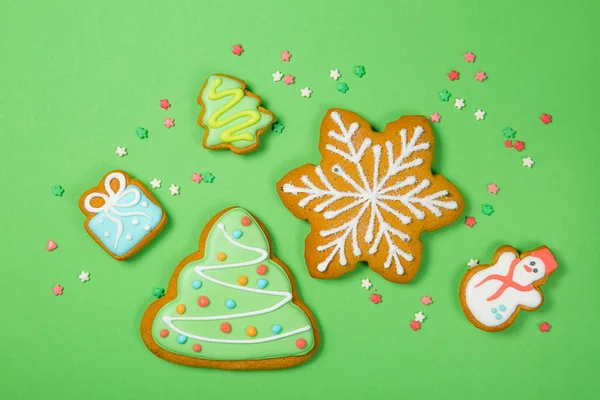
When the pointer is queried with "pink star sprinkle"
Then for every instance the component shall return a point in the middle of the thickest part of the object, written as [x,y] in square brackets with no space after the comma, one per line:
[519,145]
[196,177]
[237,50]
[169,123]
[289,79]
[545,327]
[426,300]
[480,76]
[453,75]
[470,221]
[164,104]
[375,298]
[51,245]
[469,57]
[508,143]
[285,56]
[546,118]
[415,325]
[57,289]
[435,117]
[493,188]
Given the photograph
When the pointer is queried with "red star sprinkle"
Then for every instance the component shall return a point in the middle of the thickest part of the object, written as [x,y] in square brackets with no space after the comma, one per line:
[164,104]
[480,76]
[415,325]
[426,300]
[453,75]
[493,188]
[519,145]
[470,221]
[469,57]
[375,298]
[435,117]
[237,50]
[546,118]
[289,79]
[545,327]
[508,143]
[196,177]
[57,289]
[169,123]
[285,56]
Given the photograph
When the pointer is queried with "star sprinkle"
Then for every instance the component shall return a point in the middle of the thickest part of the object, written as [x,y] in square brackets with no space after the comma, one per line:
[420,317]
[359,71]
[480,76]
[278,127]
[473,262]
[155,183]
[470,221]
[375,298]
[289,79]
[453,75]
[426,300]
[519,145]
[493,188]
[57,290]
[366,283]
[342,87]
[58,190]
[509,132]
[51,245]
[479,114]
[237,50]
[141,132]
[459,103]
[285,56]
[84,276]
[546,118]
[334,74]
[306,92]
[277,75]
[545,327]
[508,144]
[207,177]
[174,189]
[169,123]
[469,57]
[415,325]
[487,209]
[435,117]
[528,162]
[164,104]
[158,292]
[444,95]
[121,151]
[196,177]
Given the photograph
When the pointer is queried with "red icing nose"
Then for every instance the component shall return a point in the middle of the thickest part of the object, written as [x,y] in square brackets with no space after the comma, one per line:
[527,268]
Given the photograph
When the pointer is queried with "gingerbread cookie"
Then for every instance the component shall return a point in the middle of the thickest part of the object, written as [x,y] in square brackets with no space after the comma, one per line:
[122,216]
[371,197]
[231,115]
[492,295]
[232,304]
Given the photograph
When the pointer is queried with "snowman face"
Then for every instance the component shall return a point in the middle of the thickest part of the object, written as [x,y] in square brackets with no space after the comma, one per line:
[529,270]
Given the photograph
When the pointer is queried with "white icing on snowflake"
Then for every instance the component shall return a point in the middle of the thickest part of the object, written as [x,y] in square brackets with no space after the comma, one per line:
[371,196]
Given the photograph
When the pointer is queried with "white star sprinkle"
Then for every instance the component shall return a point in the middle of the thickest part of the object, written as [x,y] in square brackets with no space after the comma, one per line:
[366,284]
[479,114]
[121,151]
[84,276]
[459,103]
[277,76]
[419,317]
[155,183]
[174,189]
[306,92]
[528,162]
[334,74]
[473,262]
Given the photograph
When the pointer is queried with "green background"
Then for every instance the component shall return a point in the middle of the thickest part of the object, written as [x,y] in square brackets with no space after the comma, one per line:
[77,79]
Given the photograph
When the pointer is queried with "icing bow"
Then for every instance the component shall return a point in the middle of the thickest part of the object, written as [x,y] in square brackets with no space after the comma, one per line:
[112,201]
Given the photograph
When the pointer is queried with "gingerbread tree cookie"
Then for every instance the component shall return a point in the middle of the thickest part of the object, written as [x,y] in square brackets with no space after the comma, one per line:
[371,197]
[232,304]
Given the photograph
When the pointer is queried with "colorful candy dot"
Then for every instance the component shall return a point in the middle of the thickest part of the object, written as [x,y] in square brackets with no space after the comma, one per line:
[197,284]
[245,221]
[181,339]
[230,304]
[164,333]
[225,327]
[203,301]
[300,343]
[262,283]
[197,348]
[251,331]
[237,234]
[221,256]
[276,329]
[243,280]
[261,269]
[180,309]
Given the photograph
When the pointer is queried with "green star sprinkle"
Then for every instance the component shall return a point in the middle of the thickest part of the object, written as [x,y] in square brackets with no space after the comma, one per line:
[158,292]
[142,133]
[342,87]
[509,133]
[278,127]
[57,190]
[208,177]
[359,71]
[444,95]
[487,209]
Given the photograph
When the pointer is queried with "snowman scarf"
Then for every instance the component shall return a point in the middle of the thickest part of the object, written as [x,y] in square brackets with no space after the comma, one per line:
[507,281]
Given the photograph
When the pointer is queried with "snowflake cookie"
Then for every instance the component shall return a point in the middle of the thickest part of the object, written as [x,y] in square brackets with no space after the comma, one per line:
[371,197]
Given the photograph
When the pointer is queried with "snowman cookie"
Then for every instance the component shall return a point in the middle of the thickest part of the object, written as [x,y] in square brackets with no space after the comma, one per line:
[492,295]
